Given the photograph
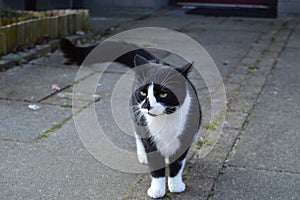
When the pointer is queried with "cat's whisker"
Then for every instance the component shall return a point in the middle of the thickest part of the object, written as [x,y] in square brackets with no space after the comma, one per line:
[143,77]
[168,83]
[138,81]
[166,78]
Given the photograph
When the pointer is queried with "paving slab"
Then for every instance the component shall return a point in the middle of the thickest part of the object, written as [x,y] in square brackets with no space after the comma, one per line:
[234,39]
[245,98]
[102,80]
[116,123]
[65,137]
[68,135]
[106,24]
[99,85]
[34,171]
[64,98]
[294,40]
[282,88]
[257,184]
[282,100]
[55,59]
[271,139]
[286,70]
[103,20]
[223,146]
[235,120]
[248,24]
[33,83]
[215,41]
[108,82]
[20,123]
[164,21]
[233,24]
[230,88]
[134,12]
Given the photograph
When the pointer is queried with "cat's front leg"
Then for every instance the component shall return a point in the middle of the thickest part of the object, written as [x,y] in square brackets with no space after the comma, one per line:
[175,182]
[141,153]
[158,184]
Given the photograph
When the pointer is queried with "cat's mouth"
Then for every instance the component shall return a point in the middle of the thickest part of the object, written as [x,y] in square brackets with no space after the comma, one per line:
[151,114]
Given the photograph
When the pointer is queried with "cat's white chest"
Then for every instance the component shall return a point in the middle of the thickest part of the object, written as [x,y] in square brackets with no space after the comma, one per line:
[166,129]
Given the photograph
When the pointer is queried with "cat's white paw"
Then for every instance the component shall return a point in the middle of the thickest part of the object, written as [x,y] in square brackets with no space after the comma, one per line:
[142,158]
[176,186]
[140,150]
[156,192]
[157,188]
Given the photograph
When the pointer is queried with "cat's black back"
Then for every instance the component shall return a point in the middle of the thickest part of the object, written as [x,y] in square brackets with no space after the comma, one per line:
[77,54]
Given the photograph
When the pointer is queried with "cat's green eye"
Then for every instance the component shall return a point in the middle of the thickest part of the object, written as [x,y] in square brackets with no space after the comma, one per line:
[163,95]
[142,93]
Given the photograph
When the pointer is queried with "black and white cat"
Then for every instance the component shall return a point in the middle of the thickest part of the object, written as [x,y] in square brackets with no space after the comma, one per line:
[167,116]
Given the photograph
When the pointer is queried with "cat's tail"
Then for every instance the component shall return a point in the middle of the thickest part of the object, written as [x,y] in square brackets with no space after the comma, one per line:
[74,53]
[77,54]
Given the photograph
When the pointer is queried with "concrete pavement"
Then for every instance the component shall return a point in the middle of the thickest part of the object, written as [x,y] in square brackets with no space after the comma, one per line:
[264,162]
[255,157]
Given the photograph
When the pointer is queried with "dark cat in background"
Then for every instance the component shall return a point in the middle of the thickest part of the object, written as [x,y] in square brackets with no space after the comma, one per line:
[166,111]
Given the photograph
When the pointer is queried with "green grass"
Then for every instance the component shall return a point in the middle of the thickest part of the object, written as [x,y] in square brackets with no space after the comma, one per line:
[202,142]
[252,68]
[66,105]
[20,61]
[45,135]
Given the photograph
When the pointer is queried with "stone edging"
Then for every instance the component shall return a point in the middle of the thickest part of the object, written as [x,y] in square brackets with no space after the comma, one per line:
[55,24]
[11,60]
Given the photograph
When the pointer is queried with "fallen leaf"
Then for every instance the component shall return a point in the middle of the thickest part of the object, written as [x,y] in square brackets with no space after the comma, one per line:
[55,87]
[48,54]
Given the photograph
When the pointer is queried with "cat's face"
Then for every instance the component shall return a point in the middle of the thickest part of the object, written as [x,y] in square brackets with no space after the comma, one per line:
[159,89]
[155,99]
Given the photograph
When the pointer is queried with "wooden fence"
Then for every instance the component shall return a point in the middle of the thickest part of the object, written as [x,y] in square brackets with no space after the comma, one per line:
[52,24]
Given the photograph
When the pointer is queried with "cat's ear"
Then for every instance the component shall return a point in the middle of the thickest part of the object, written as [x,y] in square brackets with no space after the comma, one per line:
[139,60]
[185,69]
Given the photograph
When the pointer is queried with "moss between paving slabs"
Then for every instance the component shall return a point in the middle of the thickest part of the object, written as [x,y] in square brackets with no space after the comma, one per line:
[54,128]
